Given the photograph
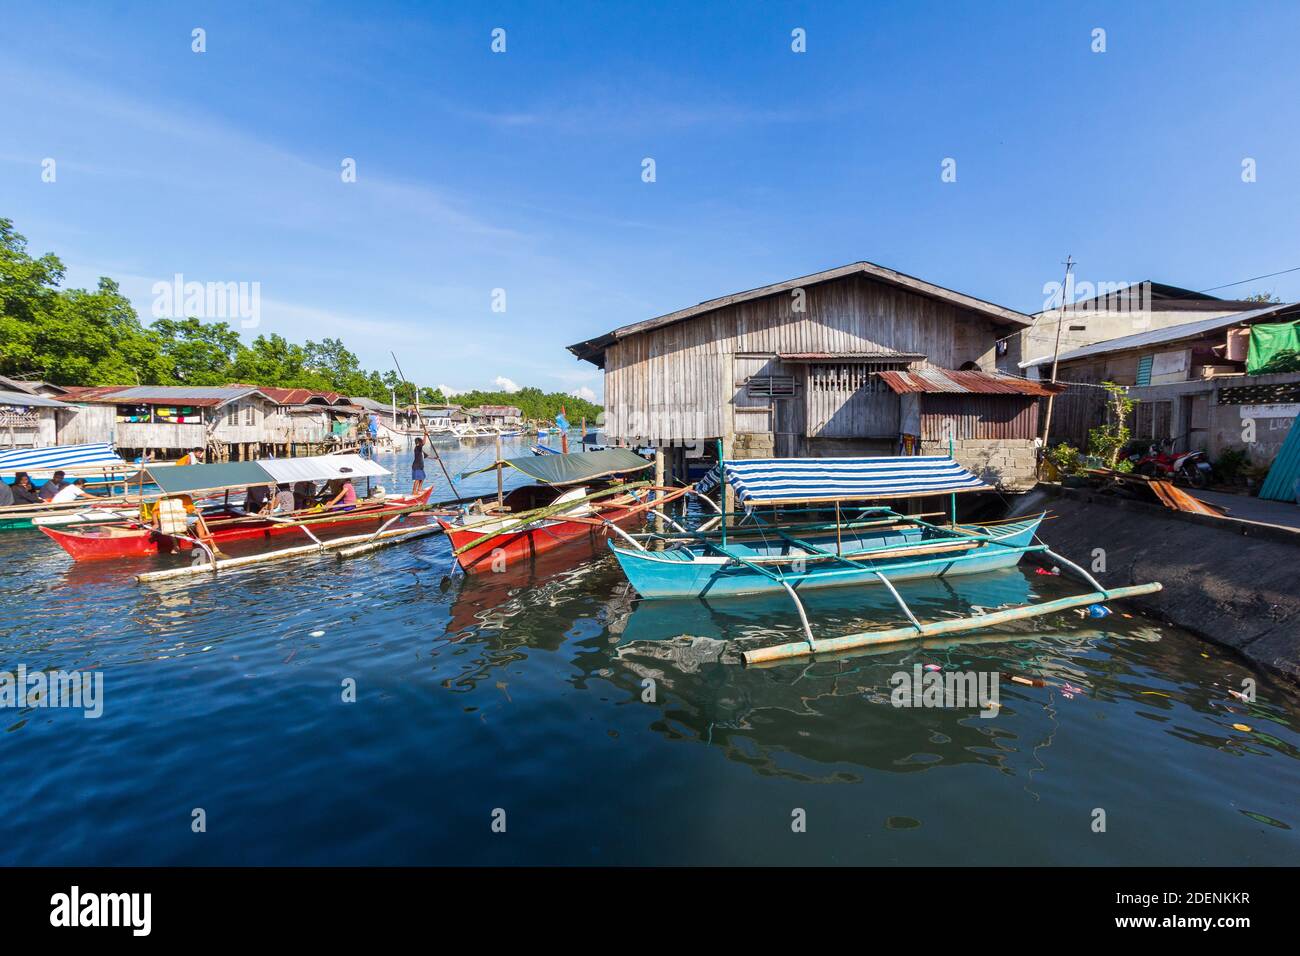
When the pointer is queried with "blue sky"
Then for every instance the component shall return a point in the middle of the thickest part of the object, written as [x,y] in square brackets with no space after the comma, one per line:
[522,171]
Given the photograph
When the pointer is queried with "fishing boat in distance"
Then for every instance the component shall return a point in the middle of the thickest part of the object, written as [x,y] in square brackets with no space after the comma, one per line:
[146,535]
[766,552]
[557,509]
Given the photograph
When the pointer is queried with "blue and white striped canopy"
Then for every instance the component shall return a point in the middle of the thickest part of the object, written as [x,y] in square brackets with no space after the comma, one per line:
[769,480]
[55,457]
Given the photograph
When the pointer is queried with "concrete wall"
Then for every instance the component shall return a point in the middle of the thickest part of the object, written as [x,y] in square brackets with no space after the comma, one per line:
[1006,463]
[1223,426]
[1230,582]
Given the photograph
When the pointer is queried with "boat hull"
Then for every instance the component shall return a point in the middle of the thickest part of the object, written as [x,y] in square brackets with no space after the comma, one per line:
[527,543]
[694,572]
[113,541]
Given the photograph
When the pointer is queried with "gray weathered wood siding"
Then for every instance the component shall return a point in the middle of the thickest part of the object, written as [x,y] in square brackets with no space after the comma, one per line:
[678,383]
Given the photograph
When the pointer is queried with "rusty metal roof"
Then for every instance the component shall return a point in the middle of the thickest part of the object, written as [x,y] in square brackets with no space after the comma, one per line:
[934,381]
[194,396]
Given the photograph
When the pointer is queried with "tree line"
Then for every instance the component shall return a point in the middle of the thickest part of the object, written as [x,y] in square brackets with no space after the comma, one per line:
[82,337]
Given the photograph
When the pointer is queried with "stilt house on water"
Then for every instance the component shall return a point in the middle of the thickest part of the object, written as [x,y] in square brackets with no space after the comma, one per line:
[859,360]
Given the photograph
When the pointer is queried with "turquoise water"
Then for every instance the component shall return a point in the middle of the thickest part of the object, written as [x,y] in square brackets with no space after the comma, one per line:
[524,692]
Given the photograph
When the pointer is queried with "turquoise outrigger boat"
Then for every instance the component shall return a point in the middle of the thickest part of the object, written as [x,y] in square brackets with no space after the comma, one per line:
[766,552]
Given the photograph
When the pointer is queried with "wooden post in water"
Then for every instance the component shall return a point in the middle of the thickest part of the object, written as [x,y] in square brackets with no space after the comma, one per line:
[501,497]
[659,482]
[583,437]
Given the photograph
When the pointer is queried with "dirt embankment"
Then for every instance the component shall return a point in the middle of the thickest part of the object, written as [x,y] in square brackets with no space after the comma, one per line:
[1230,582]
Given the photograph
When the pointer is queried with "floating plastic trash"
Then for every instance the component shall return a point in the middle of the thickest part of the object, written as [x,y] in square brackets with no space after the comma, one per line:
[1098,610]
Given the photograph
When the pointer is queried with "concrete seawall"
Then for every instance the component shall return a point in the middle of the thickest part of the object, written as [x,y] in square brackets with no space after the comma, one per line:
[1235,583]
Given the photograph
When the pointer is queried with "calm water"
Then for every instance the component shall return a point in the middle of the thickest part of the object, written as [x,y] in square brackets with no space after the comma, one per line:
[523,691]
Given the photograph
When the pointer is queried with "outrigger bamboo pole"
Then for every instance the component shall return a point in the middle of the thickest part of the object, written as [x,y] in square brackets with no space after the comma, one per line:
[780,652]
[298,551]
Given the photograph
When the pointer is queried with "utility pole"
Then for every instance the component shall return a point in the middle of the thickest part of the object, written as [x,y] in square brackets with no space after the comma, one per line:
[1056,353]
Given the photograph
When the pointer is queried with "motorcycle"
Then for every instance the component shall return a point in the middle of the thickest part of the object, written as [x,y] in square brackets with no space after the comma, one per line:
[1190,466]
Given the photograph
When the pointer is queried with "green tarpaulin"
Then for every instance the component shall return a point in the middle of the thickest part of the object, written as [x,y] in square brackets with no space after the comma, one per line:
[570,469]
[177,479]
[1274,348]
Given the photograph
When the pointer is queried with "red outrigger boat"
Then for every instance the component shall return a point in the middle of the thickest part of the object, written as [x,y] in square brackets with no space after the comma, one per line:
[135,539]
[559,510]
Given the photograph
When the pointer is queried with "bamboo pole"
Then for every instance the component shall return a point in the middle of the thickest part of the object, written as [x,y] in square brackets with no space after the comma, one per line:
[253,559]
[407,534]
[780,652]
[524,518]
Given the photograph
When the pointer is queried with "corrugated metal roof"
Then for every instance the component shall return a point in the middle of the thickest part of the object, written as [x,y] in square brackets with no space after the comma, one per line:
[935,381]
[1172,333]
[30,400]
[198,396]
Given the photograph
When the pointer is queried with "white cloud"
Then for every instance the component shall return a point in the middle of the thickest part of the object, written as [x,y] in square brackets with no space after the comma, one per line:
[448,391]
[505,384]
[584,393]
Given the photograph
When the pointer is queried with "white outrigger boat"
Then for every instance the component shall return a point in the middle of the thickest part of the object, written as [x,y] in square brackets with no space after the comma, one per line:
[875,545]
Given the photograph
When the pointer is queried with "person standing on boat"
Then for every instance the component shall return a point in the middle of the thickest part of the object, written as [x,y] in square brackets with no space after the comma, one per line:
[52,487]
[417,468]
[23,492]
[346,499]
[195,457]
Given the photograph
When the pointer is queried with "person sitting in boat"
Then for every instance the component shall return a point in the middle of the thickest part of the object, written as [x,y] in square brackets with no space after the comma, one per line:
[258,499]
[193,457]
[6,494]
[285,501]
[346,499]
[175,516]
[72,492]
[52,487]
[304,493]
[417,468]
[23,491]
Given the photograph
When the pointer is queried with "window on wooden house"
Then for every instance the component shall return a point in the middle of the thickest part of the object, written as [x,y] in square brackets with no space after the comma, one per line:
[232,416]
[250,414]
[1151,420]
[770,386]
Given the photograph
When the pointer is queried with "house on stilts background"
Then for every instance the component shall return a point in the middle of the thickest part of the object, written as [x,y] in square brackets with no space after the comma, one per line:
[855,361]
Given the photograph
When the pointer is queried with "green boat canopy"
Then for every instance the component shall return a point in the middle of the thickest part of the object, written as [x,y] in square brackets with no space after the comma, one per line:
[571,469]
[1274,348]
[178,479]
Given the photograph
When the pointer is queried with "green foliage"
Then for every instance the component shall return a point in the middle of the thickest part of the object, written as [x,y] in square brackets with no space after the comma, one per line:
[1067,459]
[1107,440]
[535,404]
[78,337]
[1232,464]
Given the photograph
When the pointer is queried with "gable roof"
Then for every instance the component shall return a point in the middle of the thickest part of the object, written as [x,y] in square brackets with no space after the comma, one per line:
[1163,298]
[593,350]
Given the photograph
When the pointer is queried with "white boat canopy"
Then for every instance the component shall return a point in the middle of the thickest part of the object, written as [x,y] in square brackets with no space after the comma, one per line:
[321,468]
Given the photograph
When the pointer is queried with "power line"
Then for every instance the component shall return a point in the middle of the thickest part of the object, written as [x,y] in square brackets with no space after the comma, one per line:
[1255,279]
